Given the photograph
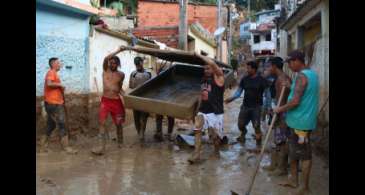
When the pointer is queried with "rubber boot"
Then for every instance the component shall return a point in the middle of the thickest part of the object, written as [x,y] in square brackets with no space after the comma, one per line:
[120,136]
[306,168]
[274,161]
[44,143]
[100,150]
[196,154]
[66,147]
[216,141]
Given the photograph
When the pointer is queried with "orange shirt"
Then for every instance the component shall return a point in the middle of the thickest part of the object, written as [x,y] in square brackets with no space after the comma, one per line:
[52,95]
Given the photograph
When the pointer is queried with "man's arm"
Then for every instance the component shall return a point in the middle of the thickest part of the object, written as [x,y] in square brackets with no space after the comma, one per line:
[300,86]
[106,59]
[236,95]
[121,92]
[218,73]
[51,84]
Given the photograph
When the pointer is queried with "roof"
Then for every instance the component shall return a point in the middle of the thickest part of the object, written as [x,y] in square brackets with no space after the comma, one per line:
[267,11]
[175,1]
[126,37]
[301,11]
[198,30]
[264,27]
[175,56]
[78,7]
[167,35]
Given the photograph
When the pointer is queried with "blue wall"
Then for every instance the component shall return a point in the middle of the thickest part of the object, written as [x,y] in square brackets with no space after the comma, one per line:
[63,34]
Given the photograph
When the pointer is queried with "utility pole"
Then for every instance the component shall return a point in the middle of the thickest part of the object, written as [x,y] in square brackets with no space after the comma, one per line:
[183,23]
[249,12]
[219,23]
[230,33]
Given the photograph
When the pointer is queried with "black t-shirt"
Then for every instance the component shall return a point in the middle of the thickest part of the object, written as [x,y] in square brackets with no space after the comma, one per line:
[254,89]
[211,97]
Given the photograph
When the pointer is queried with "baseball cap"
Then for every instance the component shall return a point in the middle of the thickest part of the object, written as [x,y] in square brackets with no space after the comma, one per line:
[296,54]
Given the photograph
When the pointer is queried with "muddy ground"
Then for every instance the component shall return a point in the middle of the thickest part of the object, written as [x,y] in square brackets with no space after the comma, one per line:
[161,168]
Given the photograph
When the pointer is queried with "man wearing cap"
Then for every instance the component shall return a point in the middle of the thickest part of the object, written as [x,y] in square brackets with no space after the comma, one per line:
[279,154]
[137,78]
[301,117]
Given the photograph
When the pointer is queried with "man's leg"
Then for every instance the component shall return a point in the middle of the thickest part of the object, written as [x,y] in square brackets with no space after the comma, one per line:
[136,117]
[256,114]
[60,118]
[51,125]
[306,161]
[103,114]
[282,161]
[170,127]
[100,149]
[294,157]
[119,135]
[243,120]
[216,140]
[158,134]
[199,122]
[143,124]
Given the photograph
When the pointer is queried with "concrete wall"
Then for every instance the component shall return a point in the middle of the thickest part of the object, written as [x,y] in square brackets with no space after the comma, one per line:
[118,23]
[62,34]
[201,45]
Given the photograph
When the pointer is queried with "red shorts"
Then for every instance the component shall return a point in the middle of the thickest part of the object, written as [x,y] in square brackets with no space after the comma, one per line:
[116,109]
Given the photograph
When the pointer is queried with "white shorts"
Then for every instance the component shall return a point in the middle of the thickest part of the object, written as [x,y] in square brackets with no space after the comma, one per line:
[214,121]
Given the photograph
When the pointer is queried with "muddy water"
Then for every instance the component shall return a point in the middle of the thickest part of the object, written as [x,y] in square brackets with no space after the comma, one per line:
[161,168]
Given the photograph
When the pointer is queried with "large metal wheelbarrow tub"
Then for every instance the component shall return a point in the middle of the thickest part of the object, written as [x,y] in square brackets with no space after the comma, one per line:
[175,92]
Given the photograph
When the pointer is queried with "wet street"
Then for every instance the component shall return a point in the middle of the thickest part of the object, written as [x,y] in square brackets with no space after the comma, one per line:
[162,168]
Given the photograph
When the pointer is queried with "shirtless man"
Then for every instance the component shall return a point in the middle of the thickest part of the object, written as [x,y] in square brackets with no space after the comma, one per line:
[279,155]
[111,101]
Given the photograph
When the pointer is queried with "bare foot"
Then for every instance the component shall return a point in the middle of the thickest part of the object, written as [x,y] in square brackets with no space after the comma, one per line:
[303,191]
[97,151]
[289,183]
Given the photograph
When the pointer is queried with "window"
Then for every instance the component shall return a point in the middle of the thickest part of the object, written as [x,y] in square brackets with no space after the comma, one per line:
[268,37]
[256,38]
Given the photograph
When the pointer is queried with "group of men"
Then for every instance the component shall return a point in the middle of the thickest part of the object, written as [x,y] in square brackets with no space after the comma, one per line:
[296,112]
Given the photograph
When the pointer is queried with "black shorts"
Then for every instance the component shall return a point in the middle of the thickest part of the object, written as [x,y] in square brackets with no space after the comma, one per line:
[299,151]
[248,114]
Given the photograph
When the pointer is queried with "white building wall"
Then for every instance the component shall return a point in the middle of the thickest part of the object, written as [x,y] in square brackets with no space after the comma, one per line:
[101,45]
[202,45]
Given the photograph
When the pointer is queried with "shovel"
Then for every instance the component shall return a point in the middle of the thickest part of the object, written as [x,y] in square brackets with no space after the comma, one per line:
[263,147]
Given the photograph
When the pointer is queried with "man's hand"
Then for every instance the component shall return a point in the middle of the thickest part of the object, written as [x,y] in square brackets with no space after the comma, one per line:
[278,109]
[122,48]
[226,101]
[286,84]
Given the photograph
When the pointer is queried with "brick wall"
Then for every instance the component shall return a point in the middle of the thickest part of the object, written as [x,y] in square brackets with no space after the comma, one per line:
[152,13]
[167,35]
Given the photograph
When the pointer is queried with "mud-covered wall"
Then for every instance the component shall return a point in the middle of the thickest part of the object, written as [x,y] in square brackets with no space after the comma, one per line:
[62,34]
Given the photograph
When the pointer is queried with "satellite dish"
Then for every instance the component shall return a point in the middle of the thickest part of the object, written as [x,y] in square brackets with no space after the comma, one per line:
[219,31]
